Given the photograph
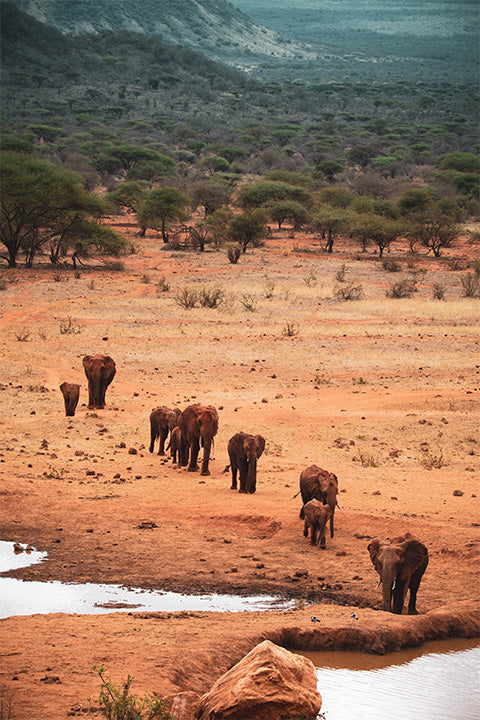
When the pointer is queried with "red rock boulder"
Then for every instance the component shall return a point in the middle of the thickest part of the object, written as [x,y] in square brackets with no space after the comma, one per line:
[270,683]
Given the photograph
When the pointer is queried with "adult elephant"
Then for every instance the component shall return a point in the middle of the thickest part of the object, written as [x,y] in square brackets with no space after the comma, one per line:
[162,421]
[316,516]
[319,484]
[401,564]
[100,371]
[198,424]
[244,451]
[71,393]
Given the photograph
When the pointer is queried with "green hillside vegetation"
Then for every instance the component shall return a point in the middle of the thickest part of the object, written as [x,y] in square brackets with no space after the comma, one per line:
[131,115]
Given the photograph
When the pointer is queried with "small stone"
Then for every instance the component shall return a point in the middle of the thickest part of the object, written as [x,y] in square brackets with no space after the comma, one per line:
[457,493]
[132,451]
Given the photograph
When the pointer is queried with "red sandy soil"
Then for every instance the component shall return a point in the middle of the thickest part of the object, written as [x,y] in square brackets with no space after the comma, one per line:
[374,390]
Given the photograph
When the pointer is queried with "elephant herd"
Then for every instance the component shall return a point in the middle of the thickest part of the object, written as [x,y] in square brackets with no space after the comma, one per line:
[400,562]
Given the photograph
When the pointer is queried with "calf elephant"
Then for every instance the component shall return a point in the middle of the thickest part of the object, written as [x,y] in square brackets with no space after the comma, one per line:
[321,485]
[401,564]
[100,371]
[71,393]
[244,451]
[176,445]
[316,516]
[198,424]
[162,421]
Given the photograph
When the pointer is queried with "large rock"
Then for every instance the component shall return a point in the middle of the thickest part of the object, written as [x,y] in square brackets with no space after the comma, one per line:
[267,684]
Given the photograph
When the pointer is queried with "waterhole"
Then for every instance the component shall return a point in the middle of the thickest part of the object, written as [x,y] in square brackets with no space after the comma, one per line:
[439,681]
[22,597]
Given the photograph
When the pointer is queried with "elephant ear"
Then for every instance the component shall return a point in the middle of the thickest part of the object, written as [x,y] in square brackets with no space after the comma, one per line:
[260,441]
[414,554]
[374,547]
[86,360]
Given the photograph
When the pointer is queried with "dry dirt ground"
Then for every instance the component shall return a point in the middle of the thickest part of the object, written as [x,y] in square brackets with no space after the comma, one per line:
[379,391]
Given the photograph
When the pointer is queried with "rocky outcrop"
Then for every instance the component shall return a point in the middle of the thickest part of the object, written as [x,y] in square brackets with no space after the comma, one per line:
[270,682]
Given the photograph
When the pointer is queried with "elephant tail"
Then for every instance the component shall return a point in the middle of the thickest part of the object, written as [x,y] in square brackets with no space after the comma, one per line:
[227,468]
[296,495]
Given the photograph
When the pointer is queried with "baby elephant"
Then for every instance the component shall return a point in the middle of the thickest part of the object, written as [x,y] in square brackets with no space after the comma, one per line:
[316,517]
[71,393]
[176,445]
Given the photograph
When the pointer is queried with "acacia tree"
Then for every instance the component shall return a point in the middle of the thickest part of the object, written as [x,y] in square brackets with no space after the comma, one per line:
[330,223]
[380,230]
[247,227]
[160,207]
[210,194]
[41,205]
[289,210]
[437,227]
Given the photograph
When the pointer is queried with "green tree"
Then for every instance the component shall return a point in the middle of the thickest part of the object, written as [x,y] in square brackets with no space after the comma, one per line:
[380,230]
[160,207]
[330,222]
[267,192]
[128,194]
[436,227]
[41,204]
[330,168]
[247,227]
[210,194]
[117,158]
[460,161]
[289,210]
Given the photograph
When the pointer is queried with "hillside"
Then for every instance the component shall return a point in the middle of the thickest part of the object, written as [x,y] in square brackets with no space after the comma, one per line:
[214,27]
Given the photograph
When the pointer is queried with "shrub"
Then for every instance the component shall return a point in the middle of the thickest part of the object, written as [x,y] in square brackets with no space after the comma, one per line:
[118,703]
[341,273]
[186,297]
[233,253]
[114,265]
[290,329]
[310,280]
[67,327]
[431,460]
[162,285]
[402,289]
[367,459]
[392,266]
[145,279]
[22,335]
[211,297]
[471,285]
[249,302]
[349,292]
[438,291]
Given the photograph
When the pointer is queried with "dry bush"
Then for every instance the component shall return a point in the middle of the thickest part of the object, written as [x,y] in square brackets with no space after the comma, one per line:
[348,292]
[402,289]
[471,285]
[22,335]
[68,327]
[341,273]
[438,291]
[186,297]
[162,285]
[392,266]
[290,329]
[233,253]
[211,297]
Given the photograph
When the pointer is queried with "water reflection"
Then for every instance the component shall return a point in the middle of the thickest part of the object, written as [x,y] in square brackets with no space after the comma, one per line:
[439,681]
[19,597]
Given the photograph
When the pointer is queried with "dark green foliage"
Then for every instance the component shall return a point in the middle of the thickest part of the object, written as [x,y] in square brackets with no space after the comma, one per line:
[160,207]
[248,227]
[267,192]
[461,161]
[289,210]
[43,205]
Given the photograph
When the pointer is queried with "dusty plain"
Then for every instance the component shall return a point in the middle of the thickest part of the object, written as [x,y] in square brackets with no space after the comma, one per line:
[377,390]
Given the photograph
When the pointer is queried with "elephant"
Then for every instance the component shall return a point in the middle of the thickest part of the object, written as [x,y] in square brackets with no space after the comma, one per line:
[162,421]
[319,484]
[198,424]
[176,445]
[71,393]
[401,564]
[316,516]
[100,371]
[244,451]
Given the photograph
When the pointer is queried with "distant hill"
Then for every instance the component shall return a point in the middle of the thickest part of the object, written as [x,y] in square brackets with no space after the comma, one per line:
[215,27]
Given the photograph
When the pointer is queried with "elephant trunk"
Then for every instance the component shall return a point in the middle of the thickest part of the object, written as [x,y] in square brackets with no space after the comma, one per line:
[387,589]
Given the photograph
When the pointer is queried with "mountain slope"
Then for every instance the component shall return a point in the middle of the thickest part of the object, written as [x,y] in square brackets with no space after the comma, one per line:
[213,26]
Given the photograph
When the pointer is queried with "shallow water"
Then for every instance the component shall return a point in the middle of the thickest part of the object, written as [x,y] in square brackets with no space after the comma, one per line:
[22,597]
[439,681]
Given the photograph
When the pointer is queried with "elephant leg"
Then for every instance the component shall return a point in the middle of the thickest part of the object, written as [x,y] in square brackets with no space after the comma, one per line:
[313,537]
[414,585]
[305,528]
[153,436]
[322,537]
[234,470]
[163,437]
[194,450]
